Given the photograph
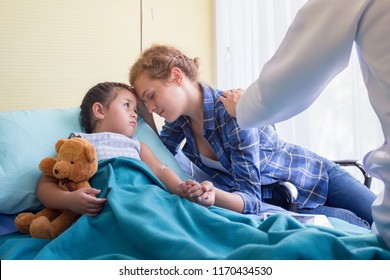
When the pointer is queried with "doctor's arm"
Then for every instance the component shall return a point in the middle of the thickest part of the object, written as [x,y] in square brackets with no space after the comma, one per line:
[317,47]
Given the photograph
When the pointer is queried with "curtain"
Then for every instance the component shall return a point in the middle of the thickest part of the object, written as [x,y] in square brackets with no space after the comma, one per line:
[340,124]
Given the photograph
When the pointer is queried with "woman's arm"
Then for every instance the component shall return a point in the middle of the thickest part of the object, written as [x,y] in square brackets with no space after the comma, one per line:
[245,166]
[206,194]
[81,201]
[231,201]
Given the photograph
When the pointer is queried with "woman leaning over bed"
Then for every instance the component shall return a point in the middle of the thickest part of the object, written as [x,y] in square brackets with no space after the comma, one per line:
[109,117]
[239,161]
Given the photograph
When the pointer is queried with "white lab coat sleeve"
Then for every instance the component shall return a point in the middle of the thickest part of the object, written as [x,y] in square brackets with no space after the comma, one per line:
[373,45]
[317,47]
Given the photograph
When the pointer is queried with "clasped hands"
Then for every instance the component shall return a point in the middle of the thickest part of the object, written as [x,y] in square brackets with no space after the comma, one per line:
[203,193]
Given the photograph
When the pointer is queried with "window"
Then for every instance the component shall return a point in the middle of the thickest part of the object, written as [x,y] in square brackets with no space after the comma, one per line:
[341,124]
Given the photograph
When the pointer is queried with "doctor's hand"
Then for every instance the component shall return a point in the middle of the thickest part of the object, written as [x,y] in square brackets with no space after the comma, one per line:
[230,99]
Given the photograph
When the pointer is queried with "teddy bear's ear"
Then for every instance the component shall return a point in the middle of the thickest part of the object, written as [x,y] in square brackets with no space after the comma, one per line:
[59,144]
[90,152]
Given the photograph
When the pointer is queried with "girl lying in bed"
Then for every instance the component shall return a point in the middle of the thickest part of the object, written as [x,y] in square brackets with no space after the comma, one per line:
[109,117]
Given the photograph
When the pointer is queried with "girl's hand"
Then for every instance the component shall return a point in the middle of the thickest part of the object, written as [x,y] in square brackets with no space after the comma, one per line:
[182,189]
[84,202]
[193,190]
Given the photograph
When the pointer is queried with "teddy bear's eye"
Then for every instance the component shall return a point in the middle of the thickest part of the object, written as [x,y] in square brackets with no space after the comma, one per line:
[72,162]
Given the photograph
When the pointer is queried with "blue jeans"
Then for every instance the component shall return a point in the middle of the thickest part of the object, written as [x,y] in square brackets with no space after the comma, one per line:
[348,199]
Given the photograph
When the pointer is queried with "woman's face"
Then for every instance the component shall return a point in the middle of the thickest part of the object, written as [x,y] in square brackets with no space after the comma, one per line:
[162,98]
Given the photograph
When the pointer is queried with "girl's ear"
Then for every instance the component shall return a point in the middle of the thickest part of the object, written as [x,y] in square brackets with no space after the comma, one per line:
[98,110]
[176,76]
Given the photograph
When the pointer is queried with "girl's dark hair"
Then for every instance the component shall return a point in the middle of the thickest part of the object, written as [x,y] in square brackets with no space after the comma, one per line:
[103,93]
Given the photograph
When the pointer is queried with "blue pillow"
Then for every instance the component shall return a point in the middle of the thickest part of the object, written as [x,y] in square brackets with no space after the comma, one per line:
[28,136]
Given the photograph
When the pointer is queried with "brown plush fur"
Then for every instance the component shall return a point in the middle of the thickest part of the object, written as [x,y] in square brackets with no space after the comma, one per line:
[75,164]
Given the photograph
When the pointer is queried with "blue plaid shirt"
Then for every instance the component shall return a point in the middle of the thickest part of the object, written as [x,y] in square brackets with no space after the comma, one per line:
[253,157]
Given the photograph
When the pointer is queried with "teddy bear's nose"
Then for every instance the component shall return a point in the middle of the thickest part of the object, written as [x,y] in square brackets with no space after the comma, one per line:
[55,171]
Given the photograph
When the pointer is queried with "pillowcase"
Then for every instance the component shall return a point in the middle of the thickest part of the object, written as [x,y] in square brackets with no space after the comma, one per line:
[28,136]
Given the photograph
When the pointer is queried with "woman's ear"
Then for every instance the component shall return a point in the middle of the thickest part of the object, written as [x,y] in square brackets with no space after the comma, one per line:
[98,110]
[176,76]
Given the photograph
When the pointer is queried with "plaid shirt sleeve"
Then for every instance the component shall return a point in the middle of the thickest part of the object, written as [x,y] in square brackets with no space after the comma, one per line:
[245,164]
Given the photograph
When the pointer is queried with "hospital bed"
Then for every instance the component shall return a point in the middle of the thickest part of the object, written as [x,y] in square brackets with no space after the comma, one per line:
[141,219]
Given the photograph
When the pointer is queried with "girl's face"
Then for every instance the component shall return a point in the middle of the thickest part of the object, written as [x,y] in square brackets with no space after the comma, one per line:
[159,97]
[121,115]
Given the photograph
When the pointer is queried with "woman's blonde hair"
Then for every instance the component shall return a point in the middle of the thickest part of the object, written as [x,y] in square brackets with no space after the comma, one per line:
[158,60]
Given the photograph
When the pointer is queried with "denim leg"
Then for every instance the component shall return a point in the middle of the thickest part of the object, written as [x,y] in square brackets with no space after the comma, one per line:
[348,198]
[345,191]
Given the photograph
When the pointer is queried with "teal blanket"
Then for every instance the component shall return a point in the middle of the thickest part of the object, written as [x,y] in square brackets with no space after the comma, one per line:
[142,220]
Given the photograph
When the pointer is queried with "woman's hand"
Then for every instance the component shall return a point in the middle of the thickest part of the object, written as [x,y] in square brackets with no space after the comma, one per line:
[84,202]
[230,99]
[207,198]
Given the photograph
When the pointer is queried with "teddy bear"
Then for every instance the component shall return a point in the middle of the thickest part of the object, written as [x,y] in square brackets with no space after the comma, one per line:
[76,162]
